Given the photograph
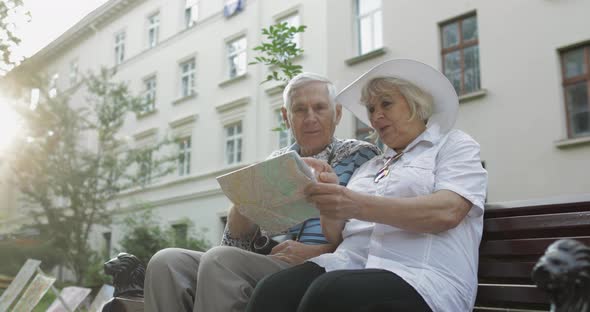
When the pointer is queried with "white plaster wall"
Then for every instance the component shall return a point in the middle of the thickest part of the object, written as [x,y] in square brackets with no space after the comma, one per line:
[516,122]
[522,114]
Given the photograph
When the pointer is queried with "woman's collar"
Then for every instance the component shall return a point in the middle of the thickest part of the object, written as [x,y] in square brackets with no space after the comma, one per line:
[431,135]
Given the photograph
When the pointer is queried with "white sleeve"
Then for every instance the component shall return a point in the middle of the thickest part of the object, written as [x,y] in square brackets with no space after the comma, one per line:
[459,169]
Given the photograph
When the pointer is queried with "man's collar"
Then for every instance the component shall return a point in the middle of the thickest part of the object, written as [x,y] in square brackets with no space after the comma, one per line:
[327,149]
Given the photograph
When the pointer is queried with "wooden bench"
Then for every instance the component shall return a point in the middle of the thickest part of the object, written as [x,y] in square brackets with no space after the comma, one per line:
[515,236]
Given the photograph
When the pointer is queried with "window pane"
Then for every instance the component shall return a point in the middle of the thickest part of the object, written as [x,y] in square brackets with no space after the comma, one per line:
[239,151]
[471,56]
[241,63]
[450,35]
[365,32]
[378,28]
[230,131]
[188,163]
[366,6]
[577,105]
[453,69]
[239,128]
[229,147]
[293,20]
[237,45]
[574,63]
[469,28]
[233,66]
[188,17]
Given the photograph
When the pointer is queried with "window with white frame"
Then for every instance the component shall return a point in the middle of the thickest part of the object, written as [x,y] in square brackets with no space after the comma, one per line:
[236,55]
[187,78]
[149,95]
[369,25]
[53,85]
[145,167]
[119,47]
[184,156]
[153,29]
[293,20]
[285,135]
[191,13]
[73,72]
[233,143]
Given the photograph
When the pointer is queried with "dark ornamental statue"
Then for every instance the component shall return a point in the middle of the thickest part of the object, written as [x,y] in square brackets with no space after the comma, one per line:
[564,272]
[128,275]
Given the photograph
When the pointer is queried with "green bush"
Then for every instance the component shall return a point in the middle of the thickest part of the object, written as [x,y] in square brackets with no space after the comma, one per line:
[144,236]
[15,253]
[95,275]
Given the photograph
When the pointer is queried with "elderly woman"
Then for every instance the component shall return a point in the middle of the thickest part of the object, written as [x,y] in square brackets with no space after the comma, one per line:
[409,222]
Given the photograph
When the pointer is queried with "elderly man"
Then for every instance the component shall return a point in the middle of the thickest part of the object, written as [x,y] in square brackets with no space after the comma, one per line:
[223,278]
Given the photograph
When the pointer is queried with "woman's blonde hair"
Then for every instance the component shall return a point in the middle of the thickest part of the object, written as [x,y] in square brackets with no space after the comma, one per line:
[420,101]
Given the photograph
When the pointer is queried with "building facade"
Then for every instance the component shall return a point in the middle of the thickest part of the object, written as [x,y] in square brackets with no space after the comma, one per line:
[522,72]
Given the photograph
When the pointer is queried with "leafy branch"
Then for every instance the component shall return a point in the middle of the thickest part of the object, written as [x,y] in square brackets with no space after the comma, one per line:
[278,51]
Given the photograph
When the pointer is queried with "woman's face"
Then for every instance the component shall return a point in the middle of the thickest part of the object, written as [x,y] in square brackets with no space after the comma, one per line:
[390,117]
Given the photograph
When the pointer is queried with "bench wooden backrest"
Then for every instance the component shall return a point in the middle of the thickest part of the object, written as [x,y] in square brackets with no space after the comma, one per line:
[513,241]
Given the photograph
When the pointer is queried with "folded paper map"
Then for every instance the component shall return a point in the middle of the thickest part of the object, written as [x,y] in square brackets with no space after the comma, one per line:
[270,193]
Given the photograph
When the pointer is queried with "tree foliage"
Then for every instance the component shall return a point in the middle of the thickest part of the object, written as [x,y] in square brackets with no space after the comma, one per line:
[278,51]
[15,253]
[12,15]
[72,162]
[144,236]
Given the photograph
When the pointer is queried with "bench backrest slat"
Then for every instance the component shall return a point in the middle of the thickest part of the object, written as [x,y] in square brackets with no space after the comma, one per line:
[513,241]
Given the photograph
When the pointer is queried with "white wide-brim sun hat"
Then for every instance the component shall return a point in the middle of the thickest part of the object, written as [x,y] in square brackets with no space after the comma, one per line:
[427,78]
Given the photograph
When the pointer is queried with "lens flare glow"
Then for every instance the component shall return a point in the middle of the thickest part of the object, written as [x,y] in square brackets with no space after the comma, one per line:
[10,125]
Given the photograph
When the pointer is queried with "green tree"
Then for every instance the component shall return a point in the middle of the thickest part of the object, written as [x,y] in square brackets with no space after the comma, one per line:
[144,236]
[278,50]
[73,162]
[12,15]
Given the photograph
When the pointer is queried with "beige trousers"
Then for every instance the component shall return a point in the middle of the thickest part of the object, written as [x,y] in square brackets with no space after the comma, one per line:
[219,280]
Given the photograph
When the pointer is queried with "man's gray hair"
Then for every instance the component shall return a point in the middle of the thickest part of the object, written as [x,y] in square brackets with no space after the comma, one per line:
[303,79]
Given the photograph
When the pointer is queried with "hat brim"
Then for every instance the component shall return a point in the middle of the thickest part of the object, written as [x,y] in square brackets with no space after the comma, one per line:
[427,78]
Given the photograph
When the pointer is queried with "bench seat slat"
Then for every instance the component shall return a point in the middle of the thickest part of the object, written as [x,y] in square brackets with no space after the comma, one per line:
[507,272]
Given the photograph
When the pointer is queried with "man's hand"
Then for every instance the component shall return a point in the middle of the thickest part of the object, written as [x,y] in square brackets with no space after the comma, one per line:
[294,252]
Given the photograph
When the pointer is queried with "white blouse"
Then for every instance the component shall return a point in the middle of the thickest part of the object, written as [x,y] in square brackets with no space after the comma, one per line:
[442,267]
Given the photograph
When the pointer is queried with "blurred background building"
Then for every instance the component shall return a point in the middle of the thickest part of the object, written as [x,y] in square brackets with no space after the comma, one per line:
[522,70]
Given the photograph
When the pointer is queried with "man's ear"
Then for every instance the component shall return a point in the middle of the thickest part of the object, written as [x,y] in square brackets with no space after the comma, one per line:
[285,119]
[338,113]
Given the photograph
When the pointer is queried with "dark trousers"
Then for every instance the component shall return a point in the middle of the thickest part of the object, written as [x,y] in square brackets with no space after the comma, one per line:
[308,288]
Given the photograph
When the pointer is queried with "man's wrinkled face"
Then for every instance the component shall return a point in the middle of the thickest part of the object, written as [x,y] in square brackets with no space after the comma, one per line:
[313,119]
